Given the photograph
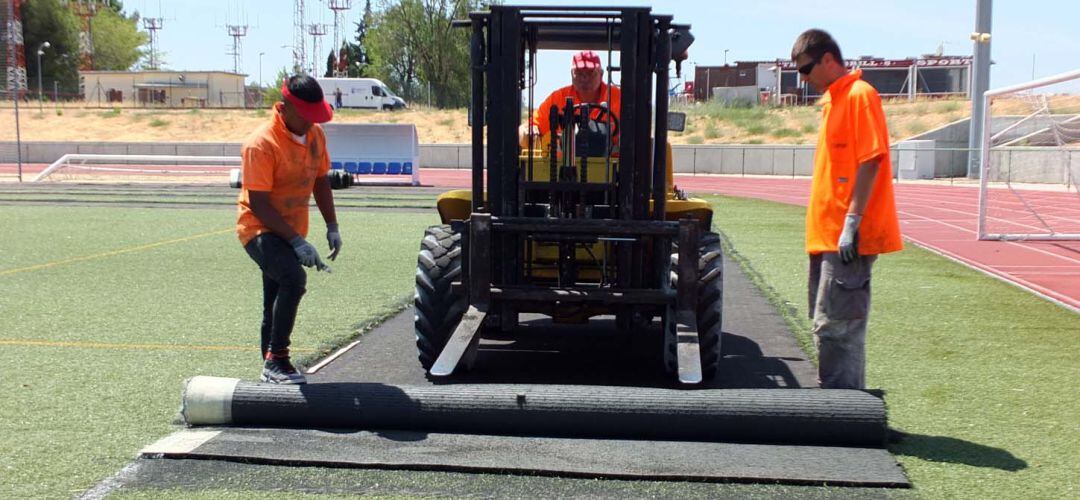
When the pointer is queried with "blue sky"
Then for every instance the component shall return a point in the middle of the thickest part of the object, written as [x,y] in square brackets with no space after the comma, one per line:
[195,36]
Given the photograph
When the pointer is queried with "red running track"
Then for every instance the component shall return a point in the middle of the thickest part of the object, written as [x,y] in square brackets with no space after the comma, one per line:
[940,218]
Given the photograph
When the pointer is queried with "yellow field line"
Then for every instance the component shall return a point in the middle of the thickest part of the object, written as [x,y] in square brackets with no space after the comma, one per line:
[112,253]
[103,345]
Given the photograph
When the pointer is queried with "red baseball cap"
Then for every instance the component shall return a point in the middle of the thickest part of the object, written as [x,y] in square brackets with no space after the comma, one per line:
[586,59]
[314,112]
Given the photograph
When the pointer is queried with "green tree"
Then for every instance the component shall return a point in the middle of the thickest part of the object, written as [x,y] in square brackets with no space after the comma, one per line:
[50,21]
[117,40]
[331,61]
[415,49]
[273,92]
[394,48]
[358,50]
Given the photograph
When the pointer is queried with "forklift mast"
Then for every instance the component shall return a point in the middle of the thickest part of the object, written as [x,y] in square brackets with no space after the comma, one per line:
[501,40]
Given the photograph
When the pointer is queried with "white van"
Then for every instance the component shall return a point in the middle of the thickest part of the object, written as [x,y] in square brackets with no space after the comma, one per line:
[364,93]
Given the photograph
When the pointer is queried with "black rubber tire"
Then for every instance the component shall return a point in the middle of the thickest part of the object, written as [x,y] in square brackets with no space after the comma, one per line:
[338,179]
[710,303]
[437,309]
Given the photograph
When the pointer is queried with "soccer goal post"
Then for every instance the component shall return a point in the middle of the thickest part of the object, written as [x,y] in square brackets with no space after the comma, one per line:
[1030,161]
[126,167]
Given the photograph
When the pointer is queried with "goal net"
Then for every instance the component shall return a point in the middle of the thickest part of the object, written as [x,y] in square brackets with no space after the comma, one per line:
[107,168]
[1031,161]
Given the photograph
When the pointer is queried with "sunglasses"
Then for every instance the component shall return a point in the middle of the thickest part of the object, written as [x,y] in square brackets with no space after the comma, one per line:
[808,67]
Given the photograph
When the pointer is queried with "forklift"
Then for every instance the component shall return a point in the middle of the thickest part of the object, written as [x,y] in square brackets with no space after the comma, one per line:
[583,222]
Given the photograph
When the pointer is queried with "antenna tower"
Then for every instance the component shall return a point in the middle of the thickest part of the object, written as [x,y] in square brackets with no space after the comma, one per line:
[299,59]
[85,9]
[339,7]
[316,31]
[153,24]
[237,32]
[14,56]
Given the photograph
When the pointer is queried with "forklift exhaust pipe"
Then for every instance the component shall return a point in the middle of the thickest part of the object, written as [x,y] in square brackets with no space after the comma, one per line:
[790,416]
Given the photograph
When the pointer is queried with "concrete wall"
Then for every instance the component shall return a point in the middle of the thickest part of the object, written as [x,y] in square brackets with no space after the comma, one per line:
[950,144]
[950,147]
[48,152]
[779,160]
[1021,164]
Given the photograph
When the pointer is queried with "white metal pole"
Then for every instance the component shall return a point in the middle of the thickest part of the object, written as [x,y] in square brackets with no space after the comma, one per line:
[1050,80]
[980,81]
[41,99]
[911,82]
[779,82]
[984,168]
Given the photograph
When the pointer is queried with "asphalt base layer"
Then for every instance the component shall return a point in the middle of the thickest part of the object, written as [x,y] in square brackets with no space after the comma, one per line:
[760,352]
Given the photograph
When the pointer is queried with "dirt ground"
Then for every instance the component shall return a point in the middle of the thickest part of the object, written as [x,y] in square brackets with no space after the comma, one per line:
[72,123]
[706,124]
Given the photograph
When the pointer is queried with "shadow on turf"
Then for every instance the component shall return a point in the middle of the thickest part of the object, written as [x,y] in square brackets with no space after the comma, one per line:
[541,353]
[957,451]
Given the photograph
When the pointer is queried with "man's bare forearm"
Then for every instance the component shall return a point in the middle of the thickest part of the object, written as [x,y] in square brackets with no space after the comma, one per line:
[269,216]
[865,177]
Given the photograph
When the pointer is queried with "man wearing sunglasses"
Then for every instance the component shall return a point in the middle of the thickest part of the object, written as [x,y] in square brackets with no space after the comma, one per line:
[851,217]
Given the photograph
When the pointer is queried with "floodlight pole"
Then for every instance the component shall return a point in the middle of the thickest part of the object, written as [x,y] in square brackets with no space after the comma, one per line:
[40,94]
[980,83]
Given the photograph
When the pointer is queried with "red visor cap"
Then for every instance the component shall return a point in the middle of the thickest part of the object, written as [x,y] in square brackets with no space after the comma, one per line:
[586,59]
[314,112]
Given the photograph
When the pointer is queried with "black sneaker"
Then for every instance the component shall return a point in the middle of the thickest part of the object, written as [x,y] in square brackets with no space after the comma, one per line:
[279,370]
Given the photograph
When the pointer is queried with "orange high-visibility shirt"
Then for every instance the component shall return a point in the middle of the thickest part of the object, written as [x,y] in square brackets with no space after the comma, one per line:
[542,114]
[272,160]
[853,132]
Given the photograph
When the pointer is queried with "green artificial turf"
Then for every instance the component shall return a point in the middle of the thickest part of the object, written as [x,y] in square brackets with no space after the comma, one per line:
[154,199]
[981,373]
[116,290]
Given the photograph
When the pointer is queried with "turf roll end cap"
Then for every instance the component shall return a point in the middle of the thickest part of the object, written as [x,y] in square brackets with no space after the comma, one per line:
[207,400]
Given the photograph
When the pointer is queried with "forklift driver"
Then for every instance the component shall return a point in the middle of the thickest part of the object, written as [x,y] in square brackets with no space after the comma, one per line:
[588,88]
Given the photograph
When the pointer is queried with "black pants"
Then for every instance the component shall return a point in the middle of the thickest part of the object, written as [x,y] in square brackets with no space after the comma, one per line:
[283,286]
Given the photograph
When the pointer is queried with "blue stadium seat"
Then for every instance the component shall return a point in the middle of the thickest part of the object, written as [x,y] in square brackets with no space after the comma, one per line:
[365,167]
[406,168]
[336,165]
[394,168]
[379,168]
[350,167]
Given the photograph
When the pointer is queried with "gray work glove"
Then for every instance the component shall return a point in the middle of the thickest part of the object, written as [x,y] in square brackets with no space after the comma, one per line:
[306,253]
[333,237]
[849,239]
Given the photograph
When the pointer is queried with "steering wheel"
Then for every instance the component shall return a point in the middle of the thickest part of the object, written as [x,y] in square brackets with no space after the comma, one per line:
[584,112]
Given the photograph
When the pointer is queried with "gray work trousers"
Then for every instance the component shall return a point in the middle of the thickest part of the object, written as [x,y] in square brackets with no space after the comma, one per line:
[840,306]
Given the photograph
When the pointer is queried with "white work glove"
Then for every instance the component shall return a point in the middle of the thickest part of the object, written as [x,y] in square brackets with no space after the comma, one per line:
[333,238]
[849,239]
[306,253]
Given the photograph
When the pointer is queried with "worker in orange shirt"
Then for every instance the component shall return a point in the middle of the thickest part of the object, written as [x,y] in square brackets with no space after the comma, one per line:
[283,163]
[588,86]
[851,217]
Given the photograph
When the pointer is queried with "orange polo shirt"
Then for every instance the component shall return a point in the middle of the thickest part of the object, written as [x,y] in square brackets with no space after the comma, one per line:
[272,160]
[853,132]
[542,115]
